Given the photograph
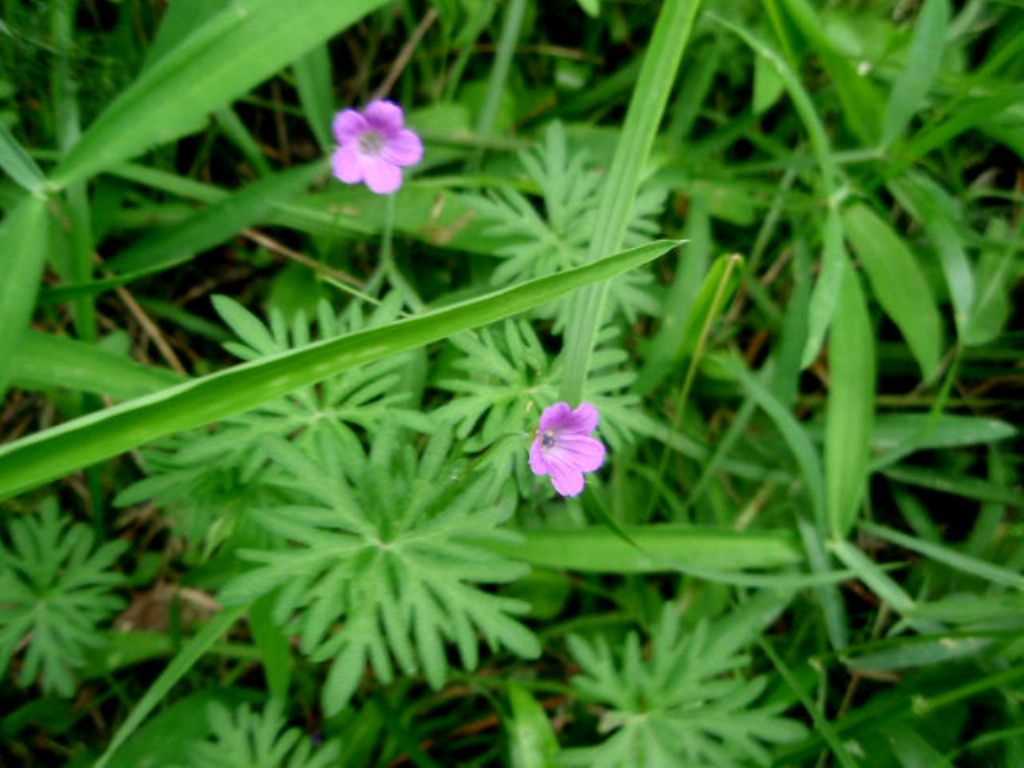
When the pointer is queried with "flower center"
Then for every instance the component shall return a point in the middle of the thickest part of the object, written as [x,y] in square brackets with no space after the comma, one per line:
[370,143]
[547,439]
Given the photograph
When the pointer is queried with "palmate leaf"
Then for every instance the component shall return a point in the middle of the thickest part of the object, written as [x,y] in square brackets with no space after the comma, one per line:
[207,479]
[558,239]
[245,739]
[383,561]
[677,706]
[55,591]
[504,380]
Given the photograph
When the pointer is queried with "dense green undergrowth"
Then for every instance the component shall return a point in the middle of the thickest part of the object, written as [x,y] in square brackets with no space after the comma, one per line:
[266,481]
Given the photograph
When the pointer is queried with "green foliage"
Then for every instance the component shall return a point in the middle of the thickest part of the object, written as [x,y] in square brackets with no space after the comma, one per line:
[556,237]
[56,589]
[246,739]
[391,544]
[504,380]
[815,461]
[687,703]
[209,479]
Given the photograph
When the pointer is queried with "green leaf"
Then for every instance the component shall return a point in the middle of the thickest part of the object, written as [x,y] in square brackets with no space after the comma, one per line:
[256,203]
[44,360]
[403,602]
[834,262]
[658,547]
[691,269]
[923,59]
[243,737]
[861,104]
[795,436]
[713,296]
[18,164]
[216,223]
[872,575]
[768,86]
[956,485]
[906,652]
[937,212]
[801,101]
[23,244]
[899,284]
[177,724]
[173,672]
[973,114]
[995,275]
[532,742]
[58,585]
[826,291]
[313,82]
[235,131]
[245,43]
[912,750]
[648,691]
[620,186]
[712,300]
[850,409]
[898,434]
[55,452]
[949,557]
[272,644]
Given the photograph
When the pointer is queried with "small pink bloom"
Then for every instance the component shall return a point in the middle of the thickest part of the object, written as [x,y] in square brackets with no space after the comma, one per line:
[373,145]
[564,448]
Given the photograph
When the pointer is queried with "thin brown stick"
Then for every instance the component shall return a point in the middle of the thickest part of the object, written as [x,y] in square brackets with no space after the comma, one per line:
[283,250]
[151,329]
[404,55]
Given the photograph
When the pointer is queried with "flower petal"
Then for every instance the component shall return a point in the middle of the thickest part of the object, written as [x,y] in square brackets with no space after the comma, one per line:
[381,176]
[567,481]
[585,418]
[555,417]
[384,116]
[538,463]
[349,125]
[347,164]
[584,453]
[563,419]
[402,148]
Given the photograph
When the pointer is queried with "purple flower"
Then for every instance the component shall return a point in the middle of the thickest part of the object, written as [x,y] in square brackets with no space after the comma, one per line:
[564,448]
[373,146]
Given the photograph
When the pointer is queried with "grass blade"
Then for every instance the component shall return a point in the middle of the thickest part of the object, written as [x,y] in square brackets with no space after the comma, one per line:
[532,742]
[177,669]
[217,223]
[834,263]
[869,572]
[56,452]
[23,243]
[957,485]
[596,549]
[861,103]
[224,57]
[937,212]
[313,82]
[850,409]
[899,284]
[946,556]
[671,33]
[796,438]
[17,163]
[45,360]
[923,59]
